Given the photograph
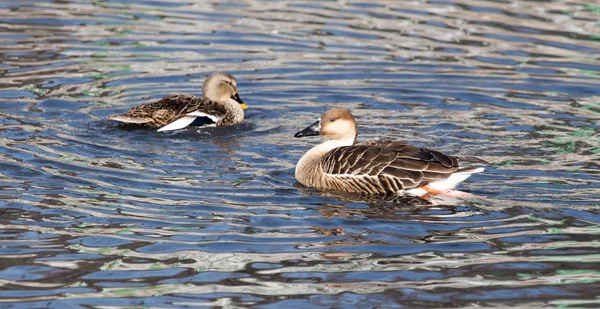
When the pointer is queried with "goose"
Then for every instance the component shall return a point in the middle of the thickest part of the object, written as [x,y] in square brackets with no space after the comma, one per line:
[376,166]
[219,106]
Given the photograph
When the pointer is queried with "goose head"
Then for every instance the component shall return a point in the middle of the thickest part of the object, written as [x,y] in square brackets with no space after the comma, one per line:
[336,124]
[220,87]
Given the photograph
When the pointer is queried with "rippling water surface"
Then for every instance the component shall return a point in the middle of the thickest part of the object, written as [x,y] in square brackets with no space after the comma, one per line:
[94,215]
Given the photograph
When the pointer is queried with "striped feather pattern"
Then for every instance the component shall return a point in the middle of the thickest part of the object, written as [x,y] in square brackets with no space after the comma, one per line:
[376,166]
[384,166]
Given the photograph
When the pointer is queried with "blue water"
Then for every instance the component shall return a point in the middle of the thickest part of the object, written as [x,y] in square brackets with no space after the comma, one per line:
[97,215]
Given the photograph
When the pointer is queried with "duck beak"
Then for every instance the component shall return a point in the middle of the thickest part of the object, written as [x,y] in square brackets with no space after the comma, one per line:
[237,98]
[311,130]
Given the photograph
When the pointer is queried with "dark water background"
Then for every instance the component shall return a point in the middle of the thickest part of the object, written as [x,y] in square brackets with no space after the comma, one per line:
[96,216]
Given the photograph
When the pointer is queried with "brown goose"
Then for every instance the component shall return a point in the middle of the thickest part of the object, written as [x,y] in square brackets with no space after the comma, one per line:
[377,166]
[219,106]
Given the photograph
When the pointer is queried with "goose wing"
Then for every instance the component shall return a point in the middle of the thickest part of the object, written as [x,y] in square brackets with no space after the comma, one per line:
[387,166]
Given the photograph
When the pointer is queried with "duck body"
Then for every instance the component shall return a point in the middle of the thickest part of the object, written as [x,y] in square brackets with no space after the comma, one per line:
[377,166]
[219,106]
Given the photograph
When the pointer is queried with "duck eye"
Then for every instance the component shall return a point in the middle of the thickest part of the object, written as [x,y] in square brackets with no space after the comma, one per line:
[331,119]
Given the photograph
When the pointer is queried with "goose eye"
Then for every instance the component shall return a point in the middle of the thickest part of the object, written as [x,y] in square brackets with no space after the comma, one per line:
[331,119]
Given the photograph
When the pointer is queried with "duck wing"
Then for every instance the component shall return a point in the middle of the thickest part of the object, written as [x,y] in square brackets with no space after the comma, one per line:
[385,166]
[192,110]
[174,111]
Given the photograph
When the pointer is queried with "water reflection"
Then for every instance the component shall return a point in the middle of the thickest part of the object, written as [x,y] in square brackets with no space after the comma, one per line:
[97,215]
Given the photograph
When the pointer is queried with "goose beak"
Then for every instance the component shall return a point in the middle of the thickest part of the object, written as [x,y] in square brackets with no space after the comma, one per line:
[311,130]
[237,98]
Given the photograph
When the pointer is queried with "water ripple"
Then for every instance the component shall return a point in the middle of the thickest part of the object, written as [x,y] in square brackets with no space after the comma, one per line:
[97,215]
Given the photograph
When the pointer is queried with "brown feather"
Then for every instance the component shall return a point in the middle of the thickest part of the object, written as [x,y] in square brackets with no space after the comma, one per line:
[173,107]
[376,166]
[390,165]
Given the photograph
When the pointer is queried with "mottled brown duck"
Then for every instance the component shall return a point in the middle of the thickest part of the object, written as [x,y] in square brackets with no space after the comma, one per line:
[220,105]
[376,166]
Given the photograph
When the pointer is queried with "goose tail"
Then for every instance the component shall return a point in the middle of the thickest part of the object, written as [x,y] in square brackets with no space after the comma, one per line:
[455,178]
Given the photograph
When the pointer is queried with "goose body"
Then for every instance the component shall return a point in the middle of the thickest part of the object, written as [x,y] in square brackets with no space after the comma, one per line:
[219,106]
[377,166]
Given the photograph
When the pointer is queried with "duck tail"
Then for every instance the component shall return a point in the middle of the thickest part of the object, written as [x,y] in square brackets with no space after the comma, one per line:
[129,119]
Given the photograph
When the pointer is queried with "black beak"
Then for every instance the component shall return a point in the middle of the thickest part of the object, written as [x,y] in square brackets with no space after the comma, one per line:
[237,98]
[311,130]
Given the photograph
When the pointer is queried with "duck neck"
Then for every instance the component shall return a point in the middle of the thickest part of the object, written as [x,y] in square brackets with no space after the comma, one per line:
[307,168]
[235,109]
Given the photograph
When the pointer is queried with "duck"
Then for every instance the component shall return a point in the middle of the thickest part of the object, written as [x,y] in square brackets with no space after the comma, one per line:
[220,105]
[379,167]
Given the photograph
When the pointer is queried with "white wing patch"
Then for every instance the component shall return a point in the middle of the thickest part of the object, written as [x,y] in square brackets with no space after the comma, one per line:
[201,114]
[187,120]
[178,124]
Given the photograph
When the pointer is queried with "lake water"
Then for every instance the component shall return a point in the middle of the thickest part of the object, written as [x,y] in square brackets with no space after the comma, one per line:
[94,215]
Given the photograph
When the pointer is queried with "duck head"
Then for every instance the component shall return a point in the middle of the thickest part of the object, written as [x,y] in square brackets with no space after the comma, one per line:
[220,87]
